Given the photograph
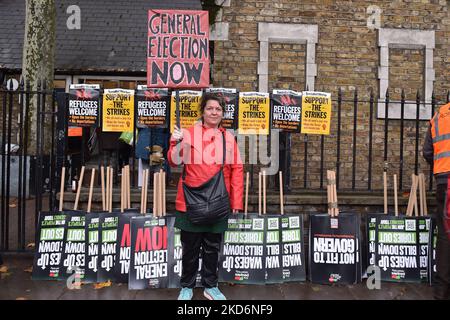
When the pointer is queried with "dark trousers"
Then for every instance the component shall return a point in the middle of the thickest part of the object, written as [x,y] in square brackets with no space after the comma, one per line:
[442,290]
[209,244]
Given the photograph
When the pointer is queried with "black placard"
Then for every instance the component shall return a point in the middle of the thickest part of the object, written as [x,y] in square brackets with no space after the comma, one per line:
[107,237]
[92,248]
[334,249]
[74,255]
[123,246]
[243,258]
[272,248]
[51,229]
[148,260]
[84,105]
[286,110]
[152,107]
[292,248]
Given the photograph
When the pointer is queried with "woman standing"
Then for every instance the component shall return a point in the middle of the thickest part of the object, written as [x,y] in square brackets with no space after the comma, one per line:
[200,149]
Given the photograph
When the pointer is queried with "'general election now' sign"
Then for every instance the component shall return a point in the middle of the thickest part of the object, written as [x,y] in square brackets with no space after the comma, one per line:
[178,49]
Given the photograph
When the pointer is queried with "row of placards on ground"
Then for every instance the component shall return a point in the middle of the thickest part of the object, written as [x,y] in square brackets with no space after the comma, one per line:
[146,252]
[249,112]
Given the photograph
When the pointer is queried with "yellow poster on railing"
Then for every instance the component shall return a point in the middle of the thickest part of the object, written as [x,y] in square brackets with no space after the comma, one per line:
[189,108]
[316,112]
[118,110]
[254,113]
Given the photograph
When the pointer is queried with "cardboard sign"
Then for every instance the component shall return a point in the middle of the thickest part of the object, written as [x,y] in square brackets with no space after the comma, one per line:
[334,249]
[286,110]
[118,110]
[243,258]
[148,263]
[189,108]
[273,263]
[92,225]
[84,105]
[73,256]
[152,107]
[50,234]
[178,49]
[292,248]
[107,239]
[254,113]
[316,112]
[123,246]
[399,241]
[229,120]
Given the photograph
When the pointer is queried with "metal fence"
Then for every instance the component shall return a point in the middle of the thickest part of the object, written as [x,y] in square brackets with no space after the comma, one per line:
[29,181]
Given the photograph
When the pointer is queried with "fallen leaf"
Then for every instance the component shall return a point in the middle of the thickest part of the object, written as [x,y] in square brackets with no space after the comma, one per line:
[315,289]
[4,275]
[101,285]
[31,245]
[29,269]
[3,269]
[21,298]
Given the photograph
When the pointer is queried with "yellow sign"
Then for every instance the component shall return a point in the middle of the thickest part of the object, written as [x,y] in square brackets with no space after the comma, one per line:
[118,110]
[189,108]
[316,112]
[254,113]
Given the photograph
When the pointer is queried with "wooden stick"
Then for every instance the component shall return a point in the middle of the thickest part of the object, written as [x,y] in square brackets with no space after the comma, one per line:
[111,178]
[416,211]
[122,190]
[155,194]
[80,182]
[164,194]
[395,196]
[421,195]
[102,178]
[128,187]
[385,192]
[264,192]
[107,189]
[410,202]
[246,192]
[146,190]
[329,193]
[259,192]
[336,209]
[161,200]
[425,206]
[281,193]
[61,188]
[91,189]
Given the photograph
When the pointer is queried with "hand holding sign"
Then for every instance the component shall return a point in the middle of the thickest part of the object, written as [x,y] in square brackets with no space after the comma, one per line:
[177,134]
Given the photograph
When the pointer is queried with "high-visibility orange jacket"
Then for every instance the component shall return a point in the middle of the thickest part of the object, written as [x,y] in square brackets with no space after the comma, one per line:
[440,134]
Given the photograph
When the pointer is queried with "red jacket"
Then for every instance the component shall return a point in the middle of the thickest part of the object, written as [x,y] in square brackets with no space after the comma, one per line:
[201,153]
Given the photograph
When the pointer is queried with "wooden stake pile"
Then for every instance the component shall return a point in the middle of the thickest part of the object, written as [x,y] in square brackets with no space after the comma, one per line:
[418,182]
[159,194]
[333,209]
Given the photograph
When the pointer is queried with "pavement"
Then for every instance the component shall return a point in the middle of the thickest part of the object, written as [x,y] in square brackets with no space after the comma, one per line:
[16,284]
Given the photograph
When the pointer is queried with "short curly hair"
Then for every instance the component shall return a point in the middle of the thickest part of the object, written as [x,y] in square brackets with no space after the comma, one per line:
[212,96]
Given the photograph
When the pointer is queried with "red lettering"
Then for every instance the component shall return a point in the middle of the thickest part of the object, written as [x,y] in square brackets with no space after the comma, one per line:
[165,237]
[126,239]
[157,238]
[143,240]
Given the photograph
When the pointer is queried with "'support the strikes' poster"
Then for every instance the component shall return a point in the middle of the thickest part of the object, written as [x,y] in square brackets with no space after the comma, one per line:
[273,263]
[49,245]
[178,49]
[292,248]
[148,264]
[107,245]
[229,120]
[123,246]
[118,110]
[152,107]
[83,105]
[316,112]
[73,257]
[398,245]
[286,111]
[242,258]
[189,108]
[254,113]
[92,226]
[334,249]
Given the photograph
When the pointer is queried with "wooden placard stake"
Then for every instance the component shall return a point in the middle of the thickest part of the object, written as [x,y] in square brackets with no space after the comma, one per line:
[91,189]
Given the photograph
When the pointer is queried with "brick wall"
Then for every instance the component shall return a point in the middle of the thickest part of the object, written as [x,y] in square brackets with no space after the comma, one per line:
[347,57]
